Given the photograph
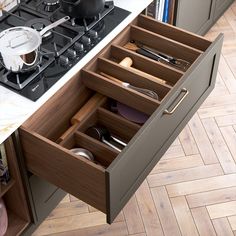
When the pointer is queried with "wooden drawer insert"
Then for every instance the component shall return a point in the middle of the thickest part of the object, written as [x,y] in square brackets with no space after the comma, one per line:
[109,182]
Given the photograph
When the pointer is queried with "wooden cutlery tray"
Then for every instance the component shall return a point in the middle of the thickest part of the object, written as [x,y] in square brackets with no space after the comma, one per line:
[109,182]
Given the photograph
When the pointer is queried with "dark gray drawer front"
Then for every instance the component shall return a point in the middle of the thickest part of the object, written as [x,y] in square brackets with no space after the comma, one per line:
[129,170]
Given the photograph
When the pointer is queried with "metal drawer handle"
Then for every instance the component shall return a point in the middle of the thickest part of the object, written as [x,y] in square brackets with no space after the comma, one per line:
[183,90]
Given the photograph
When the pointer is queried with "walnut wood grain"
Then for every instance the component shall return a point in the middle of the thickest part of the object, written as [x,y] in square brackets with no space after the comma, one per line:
[147,66]
[164,44]
[103,153]
[127,74]
[92,104]
[174,33]
[111,89]
[81,177]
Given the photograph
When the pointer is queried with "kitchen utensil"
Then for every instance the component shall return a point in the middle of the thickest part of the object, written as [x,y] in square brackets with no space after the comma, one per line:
[158,56]
[82,8]
[83,152]
[103,135]
[84,111]
[128,113]
[128,62]
[19,46]
[144,91]
[3,218]
[88,107]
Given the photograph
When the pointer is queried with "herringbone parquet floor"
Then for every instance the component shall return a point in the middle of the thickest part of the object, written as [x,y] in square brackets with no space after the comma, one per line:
[192,191]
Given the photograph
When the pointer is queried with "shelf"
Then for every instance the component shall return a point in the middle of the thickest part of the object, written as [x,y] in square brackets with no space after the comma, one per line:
[15,224]
[5,188]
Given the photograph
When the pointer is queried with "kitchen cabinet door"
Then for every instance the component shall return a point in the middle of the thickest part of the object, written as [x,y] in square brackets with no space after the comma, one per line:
[195,15]
[221,6]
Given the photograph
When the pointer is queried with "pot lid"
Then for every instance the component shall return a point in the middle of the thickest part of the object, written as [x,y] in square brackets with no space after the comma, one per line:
[19,40]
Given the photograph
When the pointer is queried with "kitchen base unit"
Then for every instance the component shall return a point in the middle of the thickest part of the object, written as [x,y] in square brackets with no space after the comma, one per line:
[182,78]
[199,16]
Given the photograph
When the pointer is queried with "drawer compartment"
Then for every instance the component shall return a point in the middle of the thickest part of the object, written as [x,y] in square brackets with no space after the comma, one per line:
[87,102]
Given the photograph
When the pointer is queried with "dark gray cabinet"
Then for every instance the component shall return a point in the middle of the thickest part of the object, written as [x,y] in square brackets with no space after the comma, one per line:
[195,15]
[220,7]
[199,15]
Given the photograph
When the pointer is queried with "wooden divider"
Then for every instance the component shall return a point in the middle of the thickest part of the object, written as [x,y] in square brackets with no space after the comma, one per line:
[164,44]
[124,74]
[113,90]
[174,33]
[149,66]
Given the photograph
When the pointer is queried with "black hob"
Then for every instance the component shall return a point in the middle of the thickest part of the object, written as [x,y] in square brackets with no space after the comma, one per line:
[61,49]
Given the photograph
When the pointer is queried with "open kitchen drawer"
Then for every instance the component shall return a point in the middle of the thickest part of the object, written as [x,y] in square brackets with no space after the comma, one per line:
[109,182]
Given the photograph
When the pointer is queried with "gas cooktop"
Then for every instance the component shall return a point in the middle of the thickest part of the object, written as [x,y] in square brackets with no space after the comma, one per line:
[62,48]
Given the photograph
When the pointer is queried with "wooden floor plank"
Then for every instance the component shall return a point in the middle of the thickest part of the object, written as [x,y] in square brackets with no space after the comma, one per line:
[229,135]
[224,156]
[222,209]
[189,174]
[231,62]
[230,17]
[148,212]
[217,111]
[219,101]
[227,75]
[166,165]
[66,199]
[211,197]
[174,152]
[222,227]
[142,234]
[165,211]
[116,229]
[188,143]
[71,223]
[232,221]
[65,209]
[234,126]
[184,216]
[203,143]
[176,142]
[226,120]
[203,222]
[202,185]
[132,217]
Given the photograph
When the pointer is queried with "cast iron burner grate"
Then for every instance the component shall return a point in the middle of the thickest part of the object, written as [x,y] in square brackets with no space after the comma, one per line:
[66,45]
[84,24]
[19,80]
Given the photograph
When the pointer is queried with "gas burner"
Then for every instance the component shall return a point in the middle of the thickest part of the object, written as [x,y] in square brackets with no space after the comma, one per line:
[51,5]
[85,24]
[63,47]
[38,24]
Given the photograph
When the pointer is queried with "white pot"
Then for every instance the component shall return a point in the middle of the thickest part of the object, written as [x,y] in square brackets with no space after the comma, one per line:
[19,46]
